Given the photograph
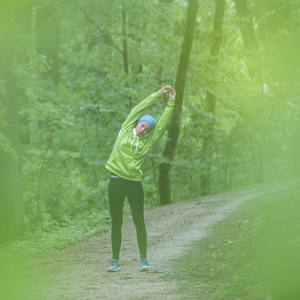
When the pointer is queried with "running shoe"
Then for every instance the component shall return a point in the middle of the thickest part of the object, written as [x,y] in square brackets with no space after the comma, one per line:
[144,265]
[114,266]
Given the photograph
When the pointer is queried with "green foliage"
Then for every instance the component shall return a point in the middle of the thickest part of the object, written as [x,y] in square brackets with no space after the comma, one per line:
[72,125]
[57,236]
[257,106]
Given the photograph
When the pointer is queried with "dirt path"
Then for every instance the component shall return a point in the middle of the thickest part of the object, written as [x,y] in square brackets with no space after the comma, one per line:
[79,271]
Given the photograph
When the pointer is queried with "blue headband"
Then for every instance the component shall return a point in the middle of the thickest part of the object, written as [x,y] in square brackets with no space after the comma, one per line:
[148,119]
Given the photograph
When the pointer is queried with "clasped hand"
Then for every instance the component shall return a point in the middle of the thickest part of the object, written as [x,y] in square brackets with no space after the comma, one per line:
[170,90]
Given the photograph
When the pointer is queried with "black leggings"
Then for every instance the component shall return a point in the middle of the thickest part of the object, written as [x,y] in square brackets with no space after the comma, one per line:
[118,189]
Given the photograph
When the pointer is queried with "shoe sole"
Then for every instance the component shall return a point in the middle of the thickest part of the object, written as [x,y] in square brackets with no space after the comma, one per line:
[117,270]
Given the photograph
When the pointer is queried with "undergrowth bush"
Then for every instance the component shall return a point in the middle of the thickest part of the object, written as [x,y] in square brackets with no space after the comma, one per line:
[58,237]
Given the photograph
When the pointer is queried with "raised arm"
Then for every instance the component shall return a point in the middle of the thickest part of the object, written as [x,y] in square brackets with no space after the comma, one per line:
[165,118]
[139,110]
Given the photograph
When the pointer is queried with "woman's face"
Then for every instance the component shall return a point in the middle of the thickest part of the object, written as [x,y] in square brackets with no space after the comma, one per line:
[142,128]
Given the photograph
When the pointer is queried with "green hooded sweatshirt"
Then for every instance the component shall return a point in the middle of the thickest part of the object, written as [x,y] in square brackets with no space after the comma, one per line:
[129,150]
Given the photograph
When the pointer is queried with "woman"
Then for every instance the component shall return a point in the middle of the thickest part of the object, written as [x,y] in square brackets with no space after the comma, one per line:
[138,133]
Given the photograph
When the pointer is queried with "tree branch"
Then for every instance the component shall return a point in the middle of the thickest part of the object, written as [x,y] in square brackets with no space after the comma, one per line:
[101,30]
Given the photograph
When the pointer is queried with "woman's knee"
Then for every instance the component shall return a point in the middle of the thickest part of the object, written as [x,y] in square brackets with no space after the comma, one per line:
[116,223]
[139,222]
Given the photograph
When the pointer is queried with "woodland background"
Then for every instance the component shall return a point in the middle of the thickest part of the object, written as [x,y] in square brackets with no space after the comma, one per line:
[70,71]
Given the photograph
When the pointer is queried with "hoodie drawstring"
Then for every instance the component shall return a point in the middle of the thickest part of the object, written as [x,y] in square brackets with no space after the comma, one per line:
[137,142]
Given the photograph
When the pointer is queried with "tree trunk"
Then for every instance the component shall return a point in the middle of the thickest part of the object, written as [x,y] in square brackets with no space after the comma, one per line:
[125,45]
[183,65]
[11,212]
[228,153]
[23,18]
[246,24]
[47,32]
[125,52]
[206,155]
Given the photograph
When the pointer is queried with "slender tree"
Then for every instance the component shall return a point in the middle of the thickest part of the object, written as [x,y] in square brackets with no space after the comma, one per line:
[208,132]
[11,212]
[183,65]
[246,24]
[248,36]
[23,18]
[125,43]
[47,32]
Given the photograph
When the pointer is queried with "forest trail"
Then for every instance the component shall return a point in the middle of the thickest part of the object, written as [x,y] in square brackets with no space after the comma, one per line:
[79,271]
